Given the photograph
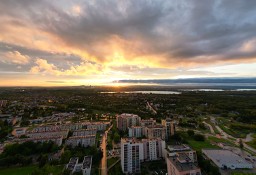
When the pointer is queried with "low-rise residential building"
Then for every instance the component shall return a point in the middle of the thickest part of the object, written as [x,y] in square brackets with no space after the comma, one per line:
[71,166]
[84,141]
[63,133]
[226,159]
[85,132]
[19,132]
[85,167]
[46,128]
[181,165]
[56,140]
[100,126]
[72,126]
[172,150]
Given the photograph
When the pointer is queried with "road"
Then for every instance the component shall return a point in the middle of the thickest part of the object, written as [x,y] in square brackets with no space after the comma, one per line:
[210,126]
[229,137]
[104,168]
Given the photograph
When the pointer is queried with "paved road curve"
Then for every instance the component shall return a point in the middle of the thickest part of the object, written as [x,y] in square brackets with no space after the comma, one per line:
[104,168]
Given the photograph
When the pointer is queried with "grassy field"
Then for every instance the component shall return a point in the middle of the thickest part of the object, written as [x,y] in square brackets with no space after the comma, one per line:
[224,125]
[252,143]
[241,173]
[116,170]
[111,161]
[219,140]
[18,170]
[55,170]
[197,145]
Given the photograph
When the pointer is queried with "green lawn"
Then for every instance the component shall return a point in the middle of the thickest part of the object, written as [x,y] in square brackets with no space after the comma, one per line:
[18,170]
[219,140]
[252,143]
[198,145]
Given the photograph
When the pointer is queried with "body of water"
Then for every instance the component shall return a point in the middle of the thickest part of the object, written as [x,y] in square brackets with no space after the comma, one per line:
[145,92]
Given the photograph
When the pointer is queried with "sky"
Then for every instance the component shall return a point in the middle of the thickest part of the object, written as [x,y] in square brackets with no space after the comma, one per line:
[95,42]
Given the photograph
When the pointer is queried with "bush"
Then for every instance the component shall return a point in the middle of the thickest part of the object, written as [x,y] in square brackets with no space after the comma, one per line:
[199,137]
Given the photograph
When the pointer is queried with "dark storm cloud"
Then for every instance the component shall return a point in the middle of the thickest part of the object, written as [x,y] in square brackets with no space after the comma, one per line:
[177,29]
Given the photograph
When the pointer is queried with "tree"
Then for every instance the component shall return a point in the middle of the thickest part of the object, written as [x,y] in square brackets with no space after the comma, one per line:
[42,160]
[241,145]
[65,156]
[116,137]
[190,133]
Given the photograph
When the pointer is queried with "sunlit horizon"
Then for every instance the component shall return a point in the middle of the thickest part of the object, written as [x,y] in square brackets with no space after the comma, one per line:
[73,43]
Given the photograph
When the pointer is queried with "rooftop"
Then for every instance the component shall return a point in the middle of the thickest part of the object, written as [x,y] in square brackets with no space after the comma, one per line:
[183,166]
[224,157]
[82,137]
[72,162]
[87,162]
[180,148]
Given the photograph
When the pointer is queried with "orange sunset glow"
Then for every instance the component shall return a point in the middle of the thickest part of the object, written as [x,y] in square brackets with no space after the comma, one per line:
[78,42]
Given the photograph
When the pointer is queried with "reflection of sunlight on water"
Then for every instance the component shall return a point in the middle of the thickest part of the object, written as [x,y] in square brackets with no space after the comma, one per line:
[144,92]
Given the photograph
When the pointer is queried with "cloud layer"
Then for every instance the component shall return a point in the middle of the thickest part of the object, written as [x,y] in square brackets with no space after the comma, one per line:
[109,39]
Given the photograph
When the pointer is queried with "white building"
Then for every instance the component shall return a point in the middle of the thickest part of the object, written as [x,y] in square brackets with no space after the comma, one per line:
[131,155]
[134,151]
[135,131]
[81,140]
[226,159]
[153,149]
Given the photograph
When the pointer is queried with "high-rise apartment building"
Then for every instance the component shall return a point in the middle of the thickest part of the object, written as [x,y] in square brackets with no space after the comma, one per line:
[134,151]
[131,155]
[127,120]
[135,131]
[170,127]
[156,131]
[153,149]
